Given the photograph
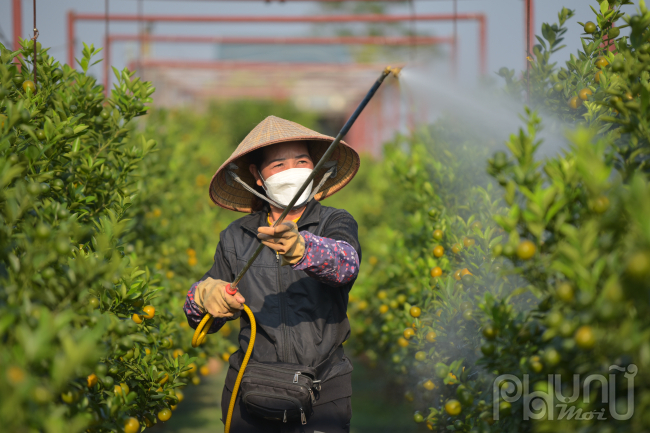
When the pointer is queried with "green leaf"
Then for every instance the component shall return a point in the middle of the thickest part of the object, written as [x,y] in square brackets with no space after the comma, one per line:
[604,6]
[510,193]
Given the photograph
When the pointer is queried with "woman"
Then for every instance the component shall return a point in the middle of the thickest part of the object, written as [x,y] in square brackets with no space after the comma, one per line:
[298,287]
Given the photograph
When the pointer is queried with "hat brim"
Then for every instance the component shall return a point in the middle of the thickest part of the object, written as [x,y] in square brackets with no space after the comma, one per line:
[231,195]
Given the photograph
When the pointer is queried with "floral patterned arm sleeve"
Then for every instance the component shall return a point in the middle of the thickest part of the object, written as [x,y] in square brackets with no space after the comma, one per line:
[333,262]
[194,313]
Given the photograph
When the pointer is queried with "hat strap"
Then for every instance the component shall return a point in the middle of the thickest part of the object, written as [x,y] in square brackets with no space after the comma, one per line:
[331,172]
[237,179]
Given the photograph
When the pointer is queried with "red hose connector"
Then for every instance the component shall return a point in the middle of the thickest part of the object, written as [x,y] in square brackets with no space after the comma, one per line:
[231,290]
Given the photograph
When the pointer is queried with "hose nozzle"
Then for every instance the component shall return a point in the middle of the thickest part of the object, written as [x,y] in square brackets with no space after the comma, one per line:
[393,70]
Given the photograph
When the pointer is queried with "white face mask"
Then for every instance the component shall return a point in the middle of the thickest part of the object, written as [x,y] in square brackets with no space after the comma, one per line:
[281,187]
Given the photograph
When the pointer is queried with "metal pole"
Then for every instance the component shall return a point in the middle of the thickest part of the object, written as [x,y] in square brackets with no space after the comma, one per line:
[71,22]
[107,47]
[343,40]
[318,166]
[455,47]
[528,51]
[361,18]
[140,34]
[34,39]
[412,29]
[17,23]
[317,1]
[531,30]
[483,44]
[413,111]
[228,65]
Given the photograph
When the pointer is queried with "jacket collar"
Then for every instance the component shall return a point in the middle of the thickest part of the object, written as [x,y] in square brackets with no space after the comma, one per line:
[258,219]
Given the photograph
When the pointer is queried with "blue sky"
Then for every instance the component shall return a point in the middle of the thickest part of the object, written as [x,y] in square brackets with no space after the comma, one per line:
[506,36]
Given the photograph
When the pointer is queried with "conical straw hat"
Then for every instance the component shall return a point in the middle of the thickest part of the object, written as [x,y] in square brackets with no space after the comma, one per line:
[231,195]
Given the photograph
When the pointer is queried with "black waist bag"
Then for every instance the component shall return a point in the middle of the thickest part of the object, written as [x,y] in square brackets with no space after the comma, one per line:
[278,391]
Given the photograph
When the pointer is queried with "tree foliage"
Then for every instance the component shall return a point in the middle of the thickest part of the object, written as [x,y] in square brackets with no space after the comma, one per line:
[545,266]
[81,348]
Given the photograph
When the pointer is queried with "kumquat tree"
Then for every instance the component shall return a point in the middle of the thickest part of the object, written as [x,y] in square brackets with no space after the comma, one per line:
[502,288]
[87,340]
[93,333]
[493,285]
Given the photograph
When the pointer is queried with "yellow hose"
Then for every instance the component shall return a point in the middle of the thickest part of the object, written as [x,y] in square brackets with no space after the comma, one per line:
[202,330]
[199,337]
[204,333]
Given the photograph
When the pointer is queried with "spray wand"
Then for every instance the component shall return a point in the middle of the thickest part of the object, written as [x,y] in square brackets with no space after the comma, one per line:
[202,329]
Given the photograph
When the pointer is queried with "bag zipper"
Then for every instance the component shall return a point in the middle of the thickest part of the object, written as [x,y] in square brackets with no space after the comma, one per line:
[280,370]
[295,378]
[281,381]
[313,399]
[283,313]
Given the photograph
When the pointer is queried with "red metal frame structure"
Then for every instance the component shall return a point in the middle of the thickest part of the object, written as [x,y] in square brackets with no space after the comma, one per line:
[17,23]
[323,19]
[529,18]
[347,40]
[242,64]
[323,1]
[366,134]
[336,40]
[479,17]
[320,1]
[529,31]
